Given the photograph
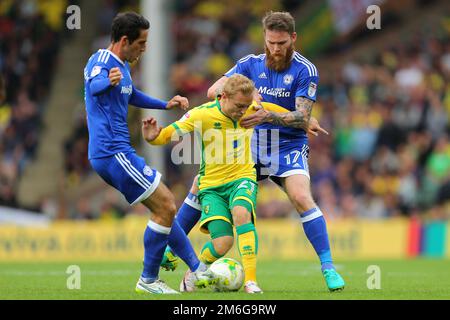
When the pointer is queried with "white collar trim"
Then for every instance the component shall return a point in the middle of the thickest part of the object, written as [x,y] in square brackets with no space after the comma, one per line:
[115,56]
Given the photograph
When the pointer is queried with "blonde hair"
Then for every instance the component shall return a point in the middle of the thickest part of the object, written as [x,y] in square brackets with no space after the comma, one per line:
[238,83]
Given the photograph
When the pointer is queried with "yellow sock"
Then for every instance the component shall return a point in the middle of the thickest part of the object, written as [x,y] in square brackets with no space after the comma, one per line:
[208,255]
[248,248]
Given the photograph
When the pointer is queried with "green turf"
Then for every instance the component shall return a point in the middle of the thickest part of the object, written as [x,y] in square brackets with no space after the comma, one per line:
[284,280]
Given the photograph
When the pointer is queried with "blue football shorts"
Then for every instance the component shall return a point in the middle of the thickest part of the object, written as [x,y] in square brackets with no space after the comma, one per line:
[128,173]
[280,160]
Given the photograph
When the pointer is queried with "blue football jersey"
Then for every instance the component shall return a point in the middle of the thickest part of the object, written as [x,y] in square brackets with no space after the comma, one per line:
[107,112]
[280,88]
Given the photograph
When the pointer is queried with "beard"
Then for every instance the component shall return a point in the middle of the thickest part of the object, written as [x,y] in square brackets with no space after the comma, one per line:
[276,63]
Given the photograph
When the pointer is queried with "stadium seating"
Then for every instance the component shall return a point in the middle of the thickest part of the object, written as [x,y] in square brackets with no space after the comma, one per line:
[30,37]
[388,110]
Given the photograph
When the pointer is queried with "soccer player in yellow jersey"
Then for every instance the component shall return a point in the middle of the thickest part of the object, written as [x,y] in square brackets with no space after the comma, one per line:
[227,177]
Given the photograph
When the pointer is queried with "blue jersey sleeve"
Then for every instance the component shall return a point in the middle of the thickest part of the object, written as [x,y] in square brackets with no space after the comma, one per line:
[96,70]
[240,67]
[307,87]
[141,100]
[100,83]
[230,72]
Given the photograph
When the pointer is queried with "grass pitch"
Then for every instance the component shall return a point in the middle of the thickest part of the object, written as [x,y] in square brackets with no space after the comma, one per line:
[280,280]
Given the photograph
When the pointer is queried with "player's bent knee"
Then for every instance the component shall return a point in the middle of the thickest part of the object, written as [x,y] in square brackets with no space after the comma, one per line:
[223,244]
[168,205]
[241,215]
[171,209]
[222,236]
[303,203]
[164,206]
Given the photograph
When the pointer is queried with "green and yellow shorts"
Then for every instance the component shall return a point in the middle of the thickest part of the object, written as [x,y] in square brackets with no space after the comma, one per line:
[217,202]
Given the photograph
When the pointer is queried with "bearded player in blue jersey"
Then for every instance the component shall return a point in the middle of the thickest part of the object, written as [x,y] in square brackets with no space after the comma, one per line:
[108,91]
[288,81]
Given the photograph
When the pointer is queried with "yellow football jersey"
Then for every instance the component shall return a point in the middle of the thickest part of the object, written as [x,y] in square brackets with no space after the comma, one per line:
[225,145]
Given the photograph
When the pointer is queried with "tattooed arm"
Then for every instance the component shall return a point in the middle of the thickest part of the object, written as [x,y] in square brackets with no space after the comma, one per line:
[300,118]
[294,119]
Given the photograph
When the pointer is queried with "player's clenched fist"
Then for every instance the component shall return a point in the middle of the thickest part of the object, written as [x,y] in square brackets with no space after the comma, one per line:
[115,76]
[150,129]
[178,101]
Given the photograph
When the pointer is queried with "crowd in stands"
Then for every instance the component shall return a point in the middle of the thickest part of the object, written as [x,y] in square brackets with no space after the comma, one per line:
[390,118]
[388,112]
[30,36]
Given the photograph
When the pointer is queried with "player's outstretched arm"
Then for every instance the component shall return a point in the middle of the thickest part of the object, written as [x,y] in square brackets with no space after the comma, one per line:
[295,119]
[141,100]
[153,133]
[300,118]
[157,136]
[216,88]
[150,129]
[179,102]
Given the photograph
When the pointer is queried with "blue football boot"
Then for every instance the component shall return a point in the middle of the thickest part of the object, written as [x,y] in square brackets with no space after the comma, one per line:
[333,279]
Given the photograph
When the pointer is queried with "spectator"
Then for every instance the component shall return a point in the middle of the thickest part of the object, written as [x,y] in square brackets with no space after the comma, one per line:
[388,112]
[29,42]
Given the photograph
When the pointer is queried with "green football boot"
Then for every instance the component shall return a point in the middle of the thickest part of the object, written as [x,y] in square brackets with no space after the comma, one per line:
[333,279]
[169,261]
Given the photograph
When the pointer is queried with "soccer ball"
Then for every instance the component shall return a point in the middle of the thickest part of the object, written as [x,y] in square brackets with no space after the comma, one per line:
[230,274]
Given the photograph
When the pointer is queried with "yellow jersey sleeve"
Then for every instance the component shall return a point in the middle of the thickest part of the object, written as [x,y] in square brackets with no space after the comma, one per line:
[250,110]
[267,106]
[273,107]
[178,128]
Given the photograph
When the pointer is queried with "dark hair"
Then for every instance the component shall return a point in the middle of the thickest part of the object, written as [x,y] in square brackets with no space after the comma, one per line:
[128,24]
[279,21]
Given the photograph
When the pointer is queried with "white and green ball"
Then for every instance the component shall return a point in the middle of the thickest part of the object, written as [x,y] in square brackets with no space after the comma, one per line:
[230,274]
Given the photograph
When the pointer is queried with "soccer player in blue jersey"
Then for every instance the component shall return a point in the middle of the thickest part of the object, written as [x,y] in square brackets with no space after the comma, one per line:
[286,79]
[108,91]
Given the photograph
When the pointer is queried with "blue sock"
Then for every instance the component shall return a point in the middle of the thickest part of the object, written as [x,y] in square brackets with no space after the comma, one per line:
[316,231]
[189,213]
[180,244]
[155,241]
